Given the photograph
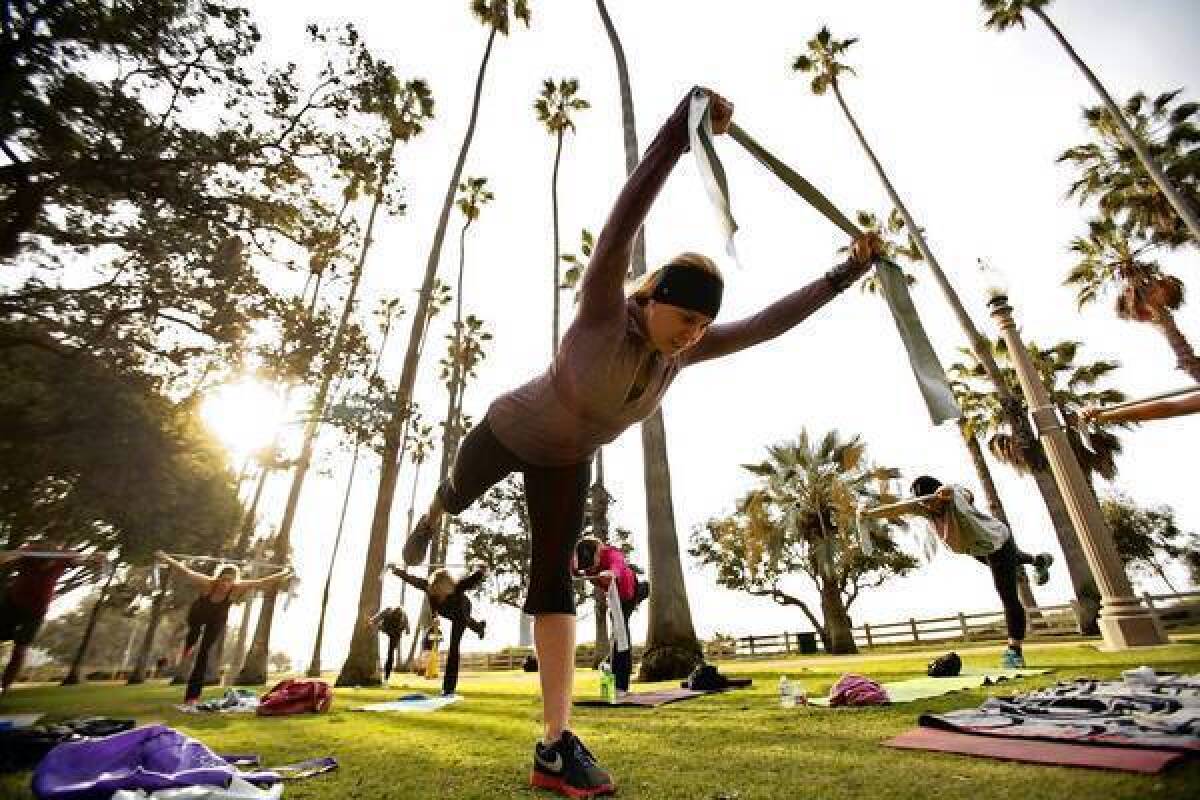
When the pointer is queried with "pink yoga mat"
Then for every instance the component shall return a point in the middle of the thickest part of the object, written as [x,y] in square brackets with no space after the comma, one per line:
[1126,759]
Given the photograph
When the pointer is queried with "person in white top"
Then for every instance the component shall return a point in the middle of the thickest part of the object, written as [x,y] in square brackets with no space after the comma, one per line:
[958,525]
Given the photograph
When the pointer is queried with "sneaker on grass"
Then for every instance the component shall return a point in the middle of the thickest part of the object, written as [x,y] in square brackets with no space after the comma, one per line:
[569,768]
[1012,659]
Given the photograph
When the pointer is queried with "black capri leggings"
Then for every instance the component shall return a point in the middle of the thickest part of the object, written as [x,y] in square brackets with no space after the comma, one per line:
[1005,563]
[555,498]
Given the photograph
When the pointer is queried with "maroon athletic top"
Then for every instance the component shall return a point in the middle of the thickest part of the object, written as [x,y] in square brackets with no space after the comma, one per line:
[32,588]
[585,399]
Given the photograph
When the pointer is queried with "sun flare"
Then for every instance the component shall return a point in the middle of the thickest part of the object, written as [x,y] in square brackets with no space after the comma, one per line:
[244,415]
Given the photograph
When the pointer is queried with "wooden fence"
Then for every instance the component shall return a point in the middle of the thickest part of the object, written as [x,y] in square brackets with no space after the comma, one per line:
[1173,610]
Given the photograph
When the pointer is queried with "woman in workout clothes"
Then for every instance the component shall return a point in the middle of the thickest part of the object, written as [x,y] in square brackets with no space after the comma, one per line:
[208,613]
[611,370]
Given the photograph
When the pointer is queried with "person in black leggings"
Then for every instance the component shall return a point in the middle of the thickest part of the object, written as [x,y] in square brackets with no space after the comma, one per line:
[448,599]
[966,530]
[393,623]
[209,612]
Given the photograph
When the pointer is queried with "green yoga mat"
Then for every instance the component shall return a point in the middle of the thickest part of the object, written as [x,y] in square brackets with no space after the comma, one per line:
[925,687]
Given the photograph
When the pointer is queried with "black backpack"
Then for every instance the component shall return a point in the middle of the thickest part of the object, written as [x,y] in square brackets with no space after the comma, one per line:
[947,666]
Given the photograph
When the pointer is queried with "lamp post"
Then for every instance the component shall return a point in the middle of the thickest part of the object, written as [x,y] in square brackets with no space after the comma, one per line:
[1124,622]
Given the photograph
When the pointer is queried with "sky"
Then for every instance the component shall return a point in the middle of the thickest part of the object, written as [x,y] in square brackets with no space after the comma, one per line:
[968,124]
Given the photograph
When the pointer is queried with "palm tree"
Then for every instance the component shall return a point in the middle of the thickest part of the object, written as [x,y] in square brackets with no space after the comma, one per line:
[822,60]
[1111,173]
[807,499]
[389,311]
[1108,259]
[474,195]
[554,107]
[405,108]
[1005,14]
[672,649]
[362,662]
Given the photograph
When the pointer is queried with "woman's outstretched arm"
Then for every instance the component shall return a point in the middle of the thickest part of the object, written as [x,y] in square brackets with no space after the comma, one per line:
[788,312]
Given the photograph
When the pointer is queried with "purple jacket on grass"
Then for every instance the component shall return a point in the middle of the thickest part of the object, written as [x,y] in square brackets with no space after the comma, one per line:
[152,757]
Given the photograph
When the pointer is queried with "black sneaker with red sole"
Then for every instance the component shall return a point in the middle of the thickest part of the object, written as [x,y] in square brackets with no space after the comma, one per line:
[569,768]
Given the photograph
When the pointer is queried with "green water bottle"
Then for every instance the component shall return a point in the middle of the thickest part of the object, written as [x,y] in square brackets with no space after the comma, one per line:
[608,683]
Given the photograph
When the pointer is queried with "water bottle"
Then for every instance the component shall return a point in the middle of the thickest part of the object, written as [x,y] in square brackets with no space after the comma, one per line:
[608,684]
[799,694]
[786,698]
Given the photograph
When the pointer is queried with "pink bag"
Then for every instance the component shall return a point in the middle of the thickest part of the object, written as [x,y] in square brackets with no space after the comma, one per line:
[855,690]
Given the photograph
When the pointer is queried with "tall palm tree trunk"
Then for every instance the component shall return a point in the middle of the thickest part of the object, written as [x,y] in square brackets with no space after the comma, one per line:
[1014,411]
[1185,356]
[1177,201]
[254,671]
[555,255]
[362,662]
[138,674]
[672,649]
[314,664]
[995,506]
[73,674]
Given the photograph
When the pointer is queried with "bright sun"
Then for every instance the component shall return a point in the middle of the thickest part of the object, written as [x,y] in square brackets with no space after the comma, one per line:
[244,415]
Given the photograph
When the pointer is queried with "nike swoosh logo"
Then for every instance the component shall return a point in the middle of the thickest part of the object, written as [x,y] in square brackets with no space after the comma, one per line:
[555,765]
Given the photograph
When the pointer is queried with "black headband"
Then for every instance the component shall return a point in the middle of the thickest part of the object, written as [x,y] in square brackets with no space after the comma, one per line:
[691,288]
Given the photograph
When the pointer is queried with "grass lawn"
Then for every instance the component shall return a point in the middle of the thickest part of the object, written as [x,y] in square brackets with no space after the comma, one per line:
[735,746]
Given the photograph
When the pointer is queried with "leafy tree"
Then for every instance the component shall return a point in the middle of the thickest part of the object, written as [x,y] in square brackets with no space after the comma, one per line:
[801,519]
[1147,538]
[1110,261]
[554,107]
[1111,173]
[1005,14]
[152,167]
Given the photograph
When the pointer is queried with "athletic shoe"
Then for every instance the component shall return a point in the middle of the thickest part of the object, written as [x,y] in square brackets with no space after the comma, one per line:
[416,546]
[1012,659]
[568,768]
[1041,568]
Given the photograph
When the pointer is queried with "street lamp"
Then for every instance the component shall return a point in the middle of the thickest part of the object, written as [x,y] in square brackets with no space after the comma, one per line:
[1124,622]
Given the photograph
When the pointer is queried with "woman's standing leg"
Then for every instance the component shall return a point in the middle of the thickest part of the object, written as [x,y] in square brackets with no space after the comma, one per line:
[622,660]
[555,499]
[212,632]
[1003,564]
[393,643]
[450,679]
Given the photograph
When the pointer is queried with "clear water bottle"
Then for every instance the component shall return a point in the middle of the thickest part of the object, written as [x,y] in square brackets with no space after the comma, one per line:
[799,694]
[786,698]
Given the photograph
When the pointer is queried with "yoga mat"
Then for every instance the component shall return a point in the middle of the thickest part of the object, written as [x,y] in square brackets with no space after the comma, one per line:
[12,722]
[926,687]
[648,699]
[1059,754]
[412,702]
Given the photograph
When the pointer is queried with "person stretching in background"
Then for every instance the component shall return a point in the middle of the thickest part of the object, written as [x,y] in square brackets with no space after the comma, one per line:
[209,612]
[393,623]
[448,599]
[25,599]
